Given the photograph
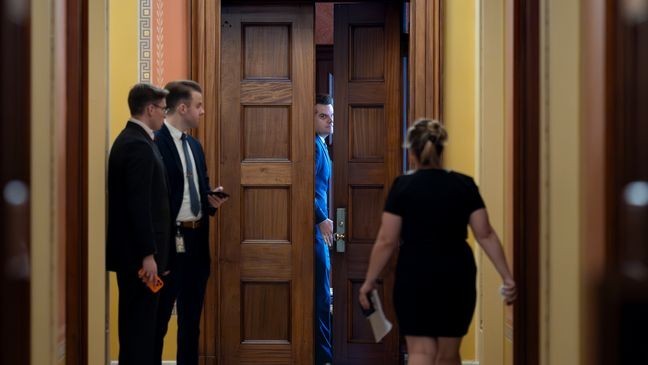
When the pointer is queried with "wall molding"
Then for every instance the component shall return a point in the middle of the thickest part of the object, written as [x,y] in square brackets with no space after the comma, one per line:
[144,30]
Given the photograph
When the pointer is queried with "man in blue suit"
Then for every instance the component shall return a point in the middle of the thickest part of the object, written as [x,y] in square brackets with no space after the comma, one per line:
[191,203]
[323,231]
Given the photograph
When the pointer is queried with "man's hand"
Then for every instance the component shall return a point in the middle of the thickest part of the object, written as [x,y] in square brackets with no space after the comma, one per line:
[215,201]
[150,269]
[326,229]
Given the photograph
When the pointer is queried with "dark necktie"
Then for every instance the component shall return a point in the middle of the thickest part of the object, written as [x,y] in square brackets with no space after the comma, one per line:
[193,192]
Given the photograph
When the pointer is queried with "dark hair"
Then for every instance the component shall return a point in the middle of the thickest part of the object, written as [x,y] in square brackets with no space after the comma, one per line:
[143,94]
[426,139]
[323,99]
[180,92]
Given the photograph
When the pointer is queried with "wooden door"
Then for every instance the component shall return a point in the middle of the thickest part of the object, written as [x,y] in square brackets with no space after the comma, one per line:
[266,253]
[366,153]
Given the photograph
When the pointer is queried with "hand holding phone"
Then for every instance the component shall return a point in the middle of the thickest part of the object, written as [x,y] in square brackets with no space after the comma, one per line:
[155,285]
[219,194]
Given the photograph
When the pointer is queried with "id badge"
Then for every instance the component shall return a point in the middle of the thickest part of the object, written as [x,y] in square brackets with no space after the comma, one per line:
[179,241]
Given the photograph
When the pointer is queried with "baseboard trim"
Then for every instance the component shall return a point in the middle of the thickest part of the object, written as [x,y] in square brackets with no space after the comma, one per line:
[114,362]
[462,363]
[174,363]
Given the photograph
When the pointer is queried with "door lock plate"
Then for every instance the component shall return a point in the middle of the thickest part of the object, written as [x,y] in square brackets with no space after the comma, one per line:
[340,230]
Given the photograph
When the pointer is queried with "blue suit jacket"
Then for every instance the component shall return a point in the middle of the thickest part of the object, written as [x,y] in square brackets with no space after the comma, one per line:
[322,176]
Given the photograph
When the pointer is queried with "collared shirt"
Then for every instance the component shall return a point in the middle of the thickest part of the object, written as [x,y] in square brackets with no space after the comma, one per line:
[185,214]
[146,128]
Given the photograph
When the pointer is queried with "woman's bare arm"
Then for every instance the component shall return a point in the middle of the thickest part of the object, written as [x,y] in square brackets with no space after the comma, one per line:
[490,243]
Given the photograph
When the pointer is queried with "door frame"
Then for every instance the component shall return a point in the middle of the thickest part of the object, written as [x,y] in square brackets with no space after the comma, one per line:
[596,169]
[425,66]
[205,38]
[424,99]
[76,172]
[526,179]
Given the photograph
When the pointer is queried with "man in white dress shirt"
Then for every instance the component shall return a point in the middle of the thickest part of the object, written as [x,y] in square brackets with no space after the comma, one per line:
[191,201]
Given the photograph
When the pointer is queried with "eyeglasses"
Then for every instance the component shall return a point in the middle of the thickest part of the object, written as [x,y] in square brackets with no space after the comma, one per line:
[164,108]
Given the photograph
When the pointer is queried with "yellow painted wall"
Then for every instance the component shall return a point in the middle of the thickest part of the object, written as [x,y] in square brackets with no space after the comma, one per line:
[123,66]
[459,90]
[560,303]
[123,36]
[123,58]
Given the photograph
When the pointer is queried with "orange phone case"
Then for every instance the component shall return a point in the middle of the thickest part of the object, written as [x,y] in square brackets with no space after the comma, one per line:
[154,286]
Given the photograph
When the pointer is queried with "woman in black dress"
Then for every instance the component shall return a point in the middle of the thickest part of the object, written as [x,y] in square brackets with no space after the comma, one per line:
[429,211]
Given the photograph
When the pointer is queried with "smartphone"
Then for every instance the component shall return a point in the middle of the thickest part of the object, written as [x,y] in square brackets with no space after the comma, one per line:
[220,194]
[154,286]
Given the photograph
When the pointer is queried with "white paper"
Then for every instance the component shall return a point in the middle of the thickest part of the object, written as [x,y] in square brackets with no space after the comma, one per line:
[380,325]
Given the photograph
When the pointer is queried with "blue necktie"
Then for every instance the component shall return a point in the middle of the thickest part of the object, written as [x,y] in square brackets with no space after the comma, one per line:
[193,192]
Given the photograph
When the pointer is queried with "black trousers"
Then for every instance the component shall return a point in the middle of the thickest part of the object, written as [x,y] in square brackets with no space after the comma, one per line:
[186,283]
[138,308]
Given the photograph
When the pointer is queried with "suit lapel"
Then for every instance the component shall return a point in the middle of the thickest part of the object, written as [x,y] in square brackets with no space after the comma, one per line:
[166,137]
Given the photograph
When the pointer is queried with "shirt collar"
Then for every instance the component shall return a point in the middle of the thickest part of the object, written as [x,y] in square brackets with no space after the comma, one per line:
[148,129]
[175,132]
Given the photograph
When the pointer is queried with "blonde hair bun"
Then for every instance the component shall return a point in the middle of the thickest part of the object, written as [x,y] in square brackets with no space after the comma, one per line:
[426,138]
[437,133]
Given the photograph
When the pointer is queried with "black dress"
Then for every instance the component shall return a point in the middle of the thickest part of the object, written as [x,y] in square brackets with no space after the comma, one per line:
[434,293]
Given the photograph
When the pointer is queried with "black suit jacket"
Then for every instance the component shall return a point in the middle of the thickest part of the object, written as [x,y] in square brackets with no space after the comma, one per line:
[139,216]
[171,159]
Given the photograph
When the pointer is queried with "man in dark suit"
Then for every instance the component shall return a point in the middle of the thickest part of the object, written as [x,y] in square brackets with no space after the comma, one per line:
[191,205]
[138,222]
[323,231]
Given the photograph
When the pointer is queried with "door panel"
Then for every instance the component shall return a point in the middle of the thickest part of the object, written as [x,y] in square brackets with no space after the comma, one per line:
[366,160]
[266,261]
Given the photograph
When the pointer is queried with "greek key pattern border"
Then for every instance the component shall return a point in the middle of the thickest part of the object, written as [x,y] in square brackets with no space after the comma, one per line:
[144,40]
